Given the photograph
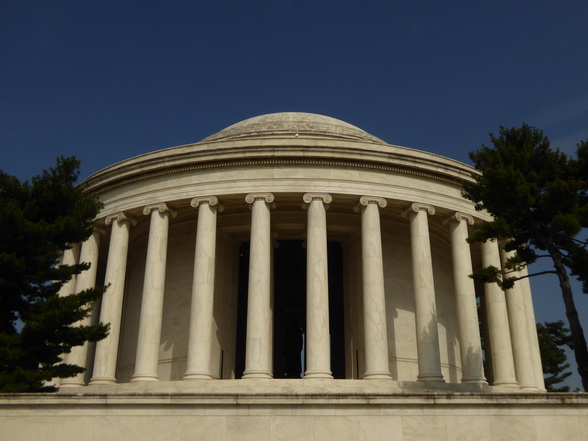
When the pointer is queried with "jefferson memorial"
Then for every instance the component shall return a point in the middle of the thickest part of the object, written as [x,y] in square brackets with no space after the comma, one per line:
[293,277]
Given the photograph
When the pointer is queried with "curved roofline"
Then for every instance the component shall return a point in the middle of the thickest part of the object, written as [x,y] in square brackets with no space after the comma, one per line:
[293,123]
[289,138]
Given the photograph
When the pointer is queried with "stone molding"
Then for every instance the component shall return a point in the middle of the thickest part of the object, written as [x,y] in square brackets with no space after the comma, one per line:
[210,200]
[162,207]
[120,217]
[415,207]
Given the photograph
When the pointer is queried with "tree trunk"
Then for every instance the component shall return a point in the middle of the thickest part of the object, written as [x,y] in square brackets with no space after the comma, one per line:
[578,339]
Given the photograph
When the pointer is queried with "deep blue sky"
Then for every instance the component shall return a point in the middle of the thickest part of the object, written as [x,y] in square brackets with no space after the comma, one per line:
[109,80]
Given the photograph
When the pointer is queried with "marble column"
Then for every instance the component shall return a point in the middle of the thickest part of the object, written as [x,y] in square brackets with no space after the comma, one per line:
[517,321]
[470,345]
[318,344]
[201,314]
[498,328]
[112,301]
[259,323]
[69,257]
[147,358]
[429,357]
[84,280]
[374,295]
[532,330]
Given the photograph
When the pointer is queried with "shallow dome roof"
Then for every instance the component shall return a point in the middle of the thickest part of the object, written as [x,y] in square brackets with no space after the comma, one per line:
[293,123]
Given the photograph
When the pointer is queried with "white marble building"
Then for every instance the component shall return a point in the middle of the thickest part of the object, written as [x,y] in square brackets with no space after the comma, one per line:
[294,277]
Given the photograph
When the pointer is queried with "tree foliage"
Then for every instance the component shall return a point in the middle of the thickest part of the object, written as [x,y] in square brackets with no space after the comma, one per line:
[553,338]
[38,219]
[538,197]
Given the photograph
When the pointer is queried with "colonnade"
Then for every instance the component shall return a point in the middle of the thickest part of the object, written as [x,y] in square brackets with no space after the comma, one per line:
[512,349]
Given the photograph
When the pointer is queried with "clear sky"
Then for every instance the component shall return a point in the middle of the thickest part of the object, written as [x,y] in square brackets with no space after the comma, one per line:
[109,80]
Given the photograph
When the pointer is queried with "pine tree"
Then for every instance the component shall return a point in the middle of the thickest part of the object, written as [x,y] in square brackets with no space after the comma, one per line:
[538,197]
[38,221]
[553,336]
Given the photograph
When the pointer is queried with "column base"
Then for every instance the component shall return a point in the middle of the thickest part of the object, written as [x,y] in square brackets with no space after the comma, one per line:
[375,375]
[144,378]
[511,384]
[318,374]
[430,378]
[474,380]
[194,375]
[102,380]
[257,374]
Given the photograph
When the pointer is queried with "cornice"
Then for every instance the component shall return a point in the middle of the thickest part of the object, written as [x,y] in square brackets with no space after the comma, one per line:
[97,184]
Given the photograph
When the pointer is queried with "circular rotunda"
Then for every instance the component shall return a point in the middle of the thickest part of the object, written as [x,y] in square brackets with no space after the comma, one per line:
[294,246]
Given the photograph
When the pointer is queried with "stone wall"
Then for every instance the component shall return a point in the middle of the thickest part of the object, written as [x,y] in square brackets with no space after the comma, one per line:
[292,410]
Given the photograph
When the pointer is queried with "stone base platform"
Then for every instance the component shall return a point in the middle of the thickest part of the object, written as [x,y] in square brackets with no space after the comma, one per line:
[321,410]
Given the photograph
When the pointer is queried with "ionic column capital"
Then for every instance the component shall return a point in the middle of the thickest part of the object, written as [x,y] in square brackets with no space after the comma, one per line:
[458,216]
[162,207]
[267,197]
[210,200]
[415,207]
[366,200]
[309,197]
[120,217]
[326,198]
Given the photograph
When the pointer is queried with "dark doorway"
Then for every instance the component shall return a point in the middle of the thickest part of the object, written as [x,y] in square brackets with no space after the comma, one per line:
[289,308]
[336,313]
[241,338]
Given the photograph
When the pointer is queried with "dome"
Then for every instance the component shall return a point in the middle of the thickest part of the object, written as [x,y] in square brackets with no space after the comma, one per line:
[293,123]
